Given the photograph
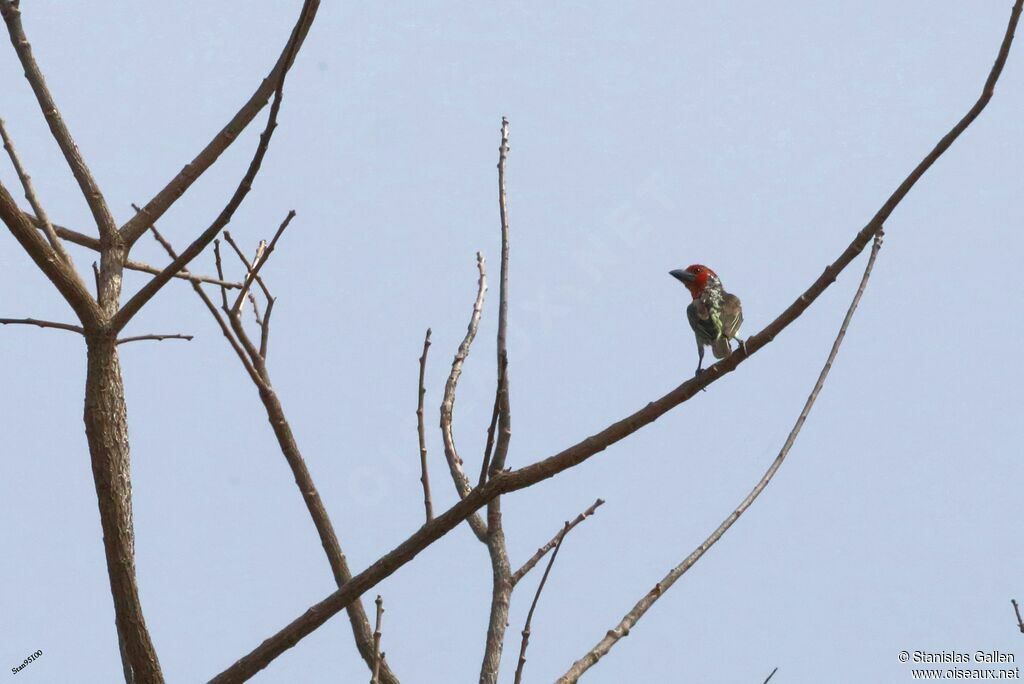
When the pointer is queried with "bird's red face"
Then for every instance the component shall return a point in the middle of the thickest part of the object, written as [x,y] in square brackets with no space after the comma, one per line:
[694,277]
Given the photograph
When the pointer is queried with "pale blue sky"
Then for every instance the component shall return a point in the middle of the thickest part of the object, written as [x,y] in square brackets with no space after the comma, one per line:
[753,137]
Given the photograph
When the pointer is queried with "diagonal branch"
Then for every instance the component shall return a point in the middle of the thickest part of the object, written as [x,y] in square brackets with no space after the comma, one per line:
[540,587]
[90,190]
[448,401]
[555,541]
[162,201]
[133,305]
[505,482]
[60,273]
[622,629]
[1016,610]
[30,195]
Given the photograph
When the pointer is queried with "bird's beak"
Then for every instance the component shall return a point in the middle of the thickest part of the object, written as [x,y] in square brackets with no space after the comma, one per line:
[682,276]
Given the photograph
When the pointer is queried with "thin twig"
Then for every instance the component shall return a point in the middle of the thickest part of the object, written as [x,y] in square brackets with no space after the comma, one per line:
[424,473]
[43,324]
[30,195]
[768,678]
[1016,609]
[626,624]
[462,485]
[542,551]
[377,655]
[533,607]
[220,274]
[158,338]
[559,538]
[245,261]
[505,482]
[261,258]
[488,448]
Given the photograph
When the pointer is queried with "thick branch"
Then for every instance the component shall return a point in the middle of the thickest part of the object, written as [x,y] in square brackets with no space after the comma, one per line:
[60,273]
[155,208]
[505,482]
[90,190]
[626,624]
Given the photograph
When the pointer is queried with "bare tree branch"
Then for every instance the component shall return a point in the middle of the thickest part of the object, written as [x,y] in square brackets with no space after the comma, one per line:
[90,190]
[212,308]
[131,231]
[501,571]
[92,243]
[555,541]
[43,324]
[1016,610]
[772,674]
[424,471]
[60,273]
[462,485]
[157,338]
[377,655]
[30,195]
[626,624]
[155,208]
[505,482]
[255,366]
[488,448]
[248,264]
[261,259]
[533,606]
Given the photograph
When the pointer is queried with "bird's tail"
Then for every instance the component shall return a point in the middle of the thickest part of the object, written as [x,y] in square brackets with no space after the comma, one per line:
[721,347]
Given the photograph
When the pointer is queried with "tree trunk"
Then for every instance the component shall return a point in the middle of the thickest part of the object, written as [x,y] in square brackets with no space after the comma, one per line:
[106,427]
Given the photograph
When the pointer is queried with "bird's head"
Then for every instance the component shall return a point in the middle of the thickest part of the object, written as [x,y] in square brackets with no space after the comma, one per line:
[695,278]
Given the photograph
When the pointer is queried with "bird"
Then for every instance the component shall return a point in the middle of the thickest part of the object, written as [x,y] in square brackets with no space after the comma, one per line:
[714,314]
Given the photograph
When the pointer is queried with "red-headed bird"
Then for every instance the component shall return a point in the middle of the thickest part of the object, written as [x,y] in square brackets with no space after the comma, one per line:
[714,314]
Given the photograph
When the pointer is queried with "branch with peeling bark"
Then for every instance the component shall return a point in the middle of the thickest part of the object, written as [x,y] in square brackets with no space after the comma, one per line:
[505,482]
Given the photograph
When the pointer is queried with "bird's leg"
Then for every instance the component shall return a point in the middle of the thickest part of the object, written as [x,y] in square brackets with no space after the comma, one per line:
[700,358]
[743,346]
